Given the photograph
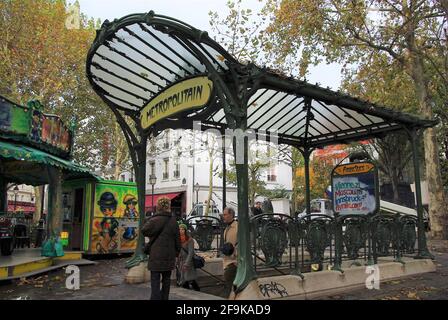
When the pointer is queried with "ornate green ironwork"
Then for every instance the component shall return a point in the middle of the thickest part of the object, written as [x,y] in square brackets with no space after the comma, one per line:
[354,237]
[383,235]
[204,233]
[317,238]
[408,235]
[273,242]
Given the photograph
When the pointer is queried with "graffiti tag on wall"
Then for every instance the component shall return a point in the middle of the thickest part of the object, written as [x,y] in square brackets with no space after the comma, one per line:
[273,290]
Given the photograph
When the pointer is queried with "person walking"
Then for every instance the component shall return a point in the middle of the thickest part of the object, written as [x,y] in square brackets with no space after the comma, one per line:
[163,248]
[229,249]
[188,275]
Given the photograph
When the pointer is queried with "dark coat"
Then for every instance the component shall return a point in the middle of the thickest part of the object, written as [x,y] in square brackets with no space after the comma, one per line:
[167,246]
[186,259]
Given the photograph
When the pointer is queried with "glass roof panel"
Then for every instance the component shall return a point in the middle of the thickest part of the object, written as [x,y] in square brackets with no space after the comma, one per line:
[286,109]
[266,112]
[360,117]
[122,84]
[133,73]
[330,114]
[136,57]
[119,93]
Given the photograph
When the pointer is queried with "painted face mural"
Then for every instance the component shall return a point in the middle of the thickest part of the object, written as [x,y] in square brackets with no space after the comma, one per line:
[115,223]
[130,212]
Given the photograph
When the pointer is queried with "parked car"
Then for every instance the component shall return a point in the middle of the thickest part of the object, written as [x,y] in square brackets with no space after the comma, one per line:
[198,213]
[319,206]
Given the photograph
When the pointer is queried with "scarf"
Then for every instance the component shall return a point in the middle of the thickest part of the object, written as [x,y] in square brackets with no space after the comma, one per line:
[183,239]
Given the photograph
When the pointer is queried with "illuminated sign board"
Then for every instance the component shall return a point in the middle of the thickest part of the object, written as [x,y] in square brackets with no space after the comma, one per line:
[188,94]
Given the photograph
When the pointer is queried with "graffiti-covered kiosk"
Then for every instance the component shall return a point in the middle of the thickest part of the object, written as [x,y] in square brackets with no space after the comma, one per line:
[163,73]
[35,149]
[89,214]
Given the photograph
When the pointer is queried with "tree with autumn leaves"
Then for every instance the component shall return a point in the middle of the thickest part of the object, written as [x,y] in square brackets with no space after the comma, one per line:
[42,57]
[392,52]
[411,34]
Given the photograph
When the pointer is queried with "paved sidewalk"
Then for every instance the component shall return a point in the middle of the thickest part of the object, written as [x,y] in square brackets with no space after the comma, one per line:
[104,281]
[428,286]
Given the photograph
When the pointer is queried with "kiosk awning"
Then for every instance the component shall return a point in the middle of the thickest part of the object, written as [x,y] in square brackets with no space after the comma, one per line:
[23,164]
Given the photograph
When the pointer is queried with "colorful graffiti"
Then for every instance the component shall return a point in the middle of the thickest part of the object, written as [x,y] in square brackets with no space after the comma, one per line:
[115,222]
[54,133]
[355,189]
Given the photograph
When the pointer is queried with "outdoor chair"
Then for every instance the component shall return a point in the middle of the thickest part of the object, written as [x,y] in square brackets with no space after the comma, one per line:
[21,236]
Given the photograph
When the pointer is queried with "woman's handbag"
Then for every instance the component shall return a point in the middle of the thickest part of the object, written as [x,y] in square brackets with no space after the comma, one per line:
[198,261]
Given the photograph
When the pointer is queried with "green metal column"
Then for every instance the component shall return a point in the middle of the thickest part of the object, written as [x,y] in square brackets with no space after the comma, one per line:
[245,272]
[306,156]
[224,173]
[140,177]
[423,252]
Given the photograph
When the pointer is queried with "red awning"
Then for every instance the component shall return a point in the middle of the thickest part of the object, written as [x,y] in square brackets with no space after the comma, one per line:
[148,198]
[21,206]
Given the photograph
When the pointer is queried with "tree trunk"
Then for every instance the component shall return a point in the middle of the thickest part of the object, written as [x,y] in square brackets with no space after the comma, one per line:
[38,196]
[55,202]
[437,201]
[394,182]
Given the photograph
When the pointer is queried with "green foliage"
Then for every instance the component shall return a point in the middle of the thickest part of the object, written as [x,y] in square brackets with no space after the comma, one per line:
[258,163]
[240,32]
[277,193]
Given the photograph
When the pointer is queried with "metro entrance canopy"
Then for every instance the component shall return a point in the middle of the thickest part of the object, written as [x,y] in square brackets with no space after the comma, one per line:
[141,61]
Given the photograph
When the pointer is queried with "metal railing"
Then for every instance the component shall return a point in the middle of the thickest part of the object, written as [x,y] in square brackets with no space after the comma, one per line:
[315,242]
[208,231]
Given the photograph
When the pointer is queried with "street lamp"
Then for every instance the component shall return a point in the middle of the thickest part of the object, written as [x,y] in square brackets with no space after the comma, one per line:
[16,192]
[196,188]
[152,181]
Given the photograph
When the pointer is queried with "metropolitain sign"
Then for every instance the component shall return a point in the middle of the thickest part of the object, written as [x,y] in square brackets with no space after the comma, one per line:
[192,93]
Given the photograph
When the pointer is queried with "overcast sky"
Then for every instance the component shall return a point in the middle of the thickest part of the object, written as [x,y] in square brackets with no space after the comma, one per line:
[194,12]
